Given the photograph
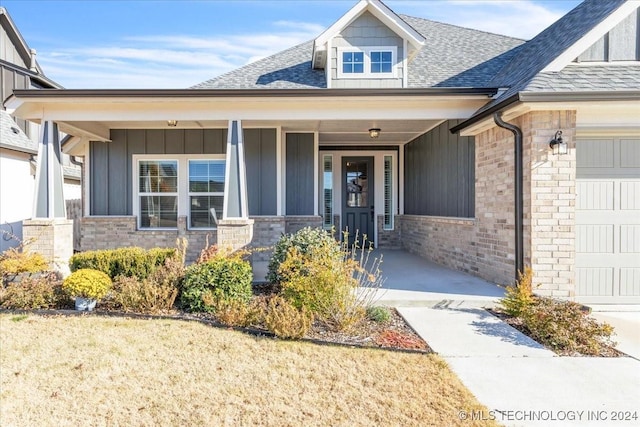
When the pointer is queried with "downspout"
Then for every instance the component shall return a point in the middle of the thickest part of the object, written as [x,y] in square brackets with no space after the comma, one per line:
[517,142]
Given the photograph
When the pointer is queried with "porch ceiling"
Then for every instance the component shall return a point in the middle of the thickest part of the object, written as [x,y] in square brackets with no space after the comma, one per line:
[331,132]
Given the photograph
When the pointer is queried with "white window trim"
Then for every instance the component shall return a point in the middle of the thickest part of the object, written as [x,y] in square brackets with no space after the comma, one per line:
[367,62]
[183,184]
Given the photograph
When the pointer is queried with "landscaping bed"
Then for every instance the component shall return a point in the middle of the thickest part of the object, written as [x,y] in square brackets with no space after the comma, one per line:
[563,327]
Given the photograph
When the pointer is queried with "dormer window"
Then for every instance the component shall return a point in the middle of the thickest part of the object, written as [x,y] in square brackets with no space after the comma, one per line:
[369,62]
[353,62]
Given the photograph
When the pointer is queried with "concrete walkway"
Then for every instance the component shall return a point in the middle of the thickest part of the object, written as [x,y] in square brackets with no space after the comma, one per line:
[521,383]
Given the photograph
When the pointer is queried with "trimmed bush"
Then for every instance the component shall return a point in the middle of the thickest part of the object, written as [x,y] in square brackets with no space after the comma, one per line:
[34,293]
[564,326]
[15,261]
[87,283]
[285,320]
[303,240]
[220,278]
[238,313]
[128,262]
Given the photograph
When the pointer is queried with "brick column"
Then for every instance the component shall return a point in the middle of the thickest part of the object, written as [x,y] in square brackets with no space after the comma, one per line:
[235,233]
[52,238]
[552,198]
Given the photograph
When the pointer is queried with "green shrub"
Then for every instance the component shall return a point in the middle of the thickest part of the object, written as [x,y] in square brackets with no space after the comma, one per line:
[220,278]
[285,320]
[34,293]
[16,260]
[303,240]
[322,281]
[129,262]
[87,283]
[564,326]
[379,314]
[519,297]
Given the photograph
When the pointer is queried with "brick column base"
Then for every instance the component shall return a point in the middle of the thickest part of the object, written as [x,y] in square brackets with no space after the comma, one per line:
[52,238]
[235,233]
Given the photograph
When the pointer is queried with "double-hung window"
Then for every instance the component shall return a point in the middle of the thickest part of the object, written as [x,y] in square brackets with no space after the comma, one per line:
[158,193]
[369,62]
[170,186]
[206,192]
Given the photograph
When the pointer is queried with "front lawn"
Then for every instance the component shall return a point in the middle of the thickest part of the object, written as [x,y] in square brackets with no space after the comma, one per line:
[90,370]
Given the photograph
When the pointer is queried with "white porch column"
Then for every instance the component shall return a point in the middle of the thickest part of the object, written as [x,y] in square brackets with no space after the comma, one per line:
[235,230]
[49,232]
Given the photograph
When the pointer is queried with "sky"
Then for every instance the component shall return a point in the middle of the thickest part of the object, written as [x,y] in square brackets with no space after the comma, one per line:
[176,44]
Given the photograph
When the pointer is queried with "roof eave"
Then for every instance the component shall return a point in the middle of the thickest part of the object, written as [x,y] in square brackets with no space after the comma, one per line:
[486,113]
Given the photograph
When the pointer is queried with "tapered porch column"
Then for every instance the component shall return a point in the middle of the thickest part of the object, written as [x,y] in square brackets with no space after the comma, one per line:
[49,232]
[235,230]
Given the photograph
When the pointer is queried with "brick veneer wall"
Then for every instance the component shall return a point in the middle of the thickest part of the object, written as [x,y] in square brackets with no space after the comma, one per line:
[388,239]
[266,232]
[111,232]
[484,245]
[295,223]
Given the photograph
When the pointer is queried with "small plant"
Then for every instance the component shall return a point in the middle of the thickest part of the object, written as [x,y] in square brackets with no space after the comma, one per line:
[142,296]
[379,314]
[285,320]
[303,240]
[520,296]
[208,253]
[17,260]
[391,338]
[564,326]
[33,293]
[87,283]
[221,278]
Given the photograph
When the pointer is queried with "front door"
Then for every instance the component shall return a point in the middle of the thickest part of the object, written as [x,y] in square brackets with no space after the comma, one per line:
[357,197]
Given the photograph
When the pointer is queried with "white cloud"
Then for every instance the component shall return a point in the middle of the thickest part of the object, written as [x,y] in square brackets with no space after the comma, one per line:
[522,19]
[167,61]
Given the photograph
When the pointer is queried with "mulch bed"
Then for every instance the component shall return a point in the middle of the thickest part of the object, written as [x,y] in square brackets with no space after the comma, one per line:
[516,323]
[396,335]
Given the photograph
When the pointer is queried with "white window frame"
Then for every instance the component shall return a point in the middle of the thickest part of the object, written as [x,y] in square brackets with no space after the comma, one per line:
[183,185]
[367,62]
[199,193]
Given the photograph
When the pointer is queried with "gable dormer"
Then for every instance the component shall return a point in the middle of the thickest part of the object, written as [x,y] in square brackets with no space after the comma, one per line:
[369,47]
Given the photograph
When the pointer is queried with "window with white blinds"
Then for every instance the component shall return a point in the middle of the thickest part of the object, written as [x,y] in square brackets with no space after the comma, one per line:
[388,192]
[327,191]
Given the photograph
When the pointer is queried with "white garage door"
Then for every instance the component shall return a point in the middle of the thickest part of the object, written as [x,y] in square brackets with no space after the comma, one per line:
[608,220]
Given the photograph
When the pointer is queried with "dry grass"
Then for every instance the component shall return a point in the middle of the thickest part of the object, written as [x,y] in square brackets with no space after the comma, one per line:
[94,371]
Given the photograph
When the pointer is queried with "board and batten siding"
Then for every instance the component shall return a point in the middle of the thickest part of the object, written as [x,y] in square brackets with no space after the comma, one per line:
[622,43]
[366,31]
[112,174]
[261,159]
[439,174]
[299,174]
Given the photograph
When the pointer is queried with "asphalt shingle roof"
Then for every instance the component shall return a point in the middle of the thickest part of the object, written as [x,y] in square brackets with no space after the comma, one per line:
[578,77]
[452,57]
[12,137]
[540,51]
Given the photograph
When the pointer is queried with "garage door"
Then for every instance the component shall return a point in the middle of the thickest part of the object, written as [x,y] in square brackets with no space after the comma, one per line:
[608,220]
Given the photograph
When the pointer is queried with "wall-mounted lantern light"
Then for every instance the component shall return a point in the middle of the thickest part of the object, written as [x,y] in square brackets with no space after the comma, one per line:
[557,144]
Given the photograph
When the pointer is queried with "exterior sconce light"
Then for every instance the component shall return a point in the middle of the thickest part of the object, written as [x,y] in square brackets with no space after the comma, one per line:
[557,144]
[374,133]
[172,123]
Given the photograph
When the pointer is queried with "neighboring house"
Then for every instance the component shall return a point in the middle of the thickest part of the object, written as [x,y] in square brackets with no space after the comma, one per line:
[19,139]
[425,136]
